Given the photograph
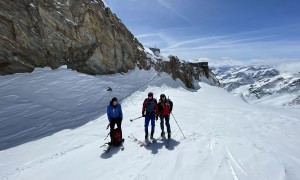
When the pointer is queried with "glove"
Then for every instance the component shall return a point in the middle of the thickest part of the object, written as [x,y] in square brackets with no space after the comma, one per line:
[156,118]
[143,114]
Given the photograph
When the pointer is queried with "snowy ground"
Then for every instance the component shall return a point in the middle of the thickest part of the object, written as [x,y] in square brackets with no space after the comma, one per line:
[226,138]
[38,104]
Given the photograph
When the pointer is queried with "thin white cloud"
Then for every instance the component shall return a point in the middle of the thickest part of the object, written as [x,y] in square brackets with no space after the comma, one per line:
[172,9]
[158,38]
[243,51]
[214,42]
[190,41]
[226,43]
[245,45]
[148,35]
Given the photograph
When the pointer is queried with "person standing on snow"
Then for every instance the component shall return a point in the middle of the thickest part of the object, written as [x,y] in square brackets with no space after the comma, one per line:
[149,111]
[114,115]
[165,107]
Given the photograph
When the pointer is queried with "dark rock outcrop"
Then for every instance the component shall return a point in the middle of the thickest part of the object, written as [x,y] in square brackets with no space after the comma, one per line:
[189,73]
[84,35]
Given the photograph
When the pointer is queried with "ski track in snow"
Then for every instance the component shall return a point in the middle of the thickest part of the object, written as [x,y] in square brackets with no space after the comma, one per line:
[232,159]
[212,147]
[226,139]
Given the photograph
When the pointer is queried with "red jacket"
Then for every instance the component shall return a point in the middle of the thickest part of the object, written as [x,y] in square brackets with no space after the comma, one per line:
[165,108]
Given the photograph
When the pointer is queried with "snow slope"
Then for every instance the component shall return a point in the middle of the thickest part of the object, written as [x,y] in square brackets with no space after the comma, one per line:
[226,138]
[38,104]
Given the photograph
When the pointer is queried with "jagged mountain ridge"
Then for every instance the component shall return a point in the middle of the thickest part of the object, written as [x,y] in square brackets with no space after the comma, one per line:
[261,84]
[84,35]
[190,73]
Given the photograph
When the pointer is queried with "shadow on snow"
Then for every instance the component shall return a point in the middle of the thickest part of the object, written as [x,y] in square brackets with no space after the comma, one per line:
[162,143]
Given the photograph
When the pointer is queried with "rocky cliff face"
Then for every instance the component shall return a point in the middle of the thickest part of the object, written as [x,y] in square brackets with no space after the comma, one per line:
[83,34]
[189,73]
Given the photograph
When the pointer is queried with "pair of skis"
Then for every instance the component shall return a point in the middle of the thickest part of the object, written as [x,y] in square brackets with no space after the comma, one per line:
[147,142]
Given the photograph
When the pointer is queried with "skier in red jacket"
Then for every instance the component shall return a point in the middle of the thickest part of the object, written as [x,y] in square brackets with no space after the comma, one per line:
[165,107]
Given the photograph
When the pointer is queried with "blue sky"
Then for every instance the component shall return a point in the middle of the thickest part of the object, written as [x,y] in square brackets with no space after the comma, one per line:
[215,29]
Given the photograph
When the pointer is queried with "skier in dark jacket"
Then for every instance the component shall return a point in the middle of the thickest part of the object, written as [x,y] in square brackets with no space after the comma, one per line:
[149,111]
[165,107]
[114,115]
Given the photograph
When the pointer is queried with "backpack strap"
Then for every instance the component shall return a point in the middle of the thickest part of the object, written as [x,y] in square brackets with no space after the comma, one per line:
[170,105]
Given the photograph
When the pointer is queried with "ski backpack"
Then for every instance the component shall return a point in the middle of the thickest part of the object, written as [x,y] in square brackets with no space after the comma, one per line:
[116,137]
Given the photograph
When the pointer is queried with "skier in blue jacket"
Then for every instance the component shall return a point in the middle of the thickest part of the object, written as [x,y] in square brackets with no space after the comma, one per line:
[114,115]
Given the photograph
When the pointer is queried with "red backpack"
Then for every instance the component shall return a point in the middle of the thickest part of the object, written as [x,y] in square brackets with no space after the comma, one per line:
[116,137]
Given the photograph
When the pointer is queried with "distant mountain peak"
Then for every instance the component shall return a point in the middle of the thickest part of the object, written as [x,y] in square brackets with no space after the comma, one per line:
[261,84]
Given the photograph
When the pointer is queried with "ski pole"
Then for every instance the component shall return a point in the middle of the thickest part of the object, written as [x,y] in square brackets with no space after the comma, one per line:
[178,126]
[135,118]
[107,136]
[108,133]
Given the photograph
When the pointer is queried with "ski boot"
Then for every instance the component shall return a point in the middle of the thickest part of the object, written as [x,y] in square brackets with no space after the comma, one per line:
[169,135]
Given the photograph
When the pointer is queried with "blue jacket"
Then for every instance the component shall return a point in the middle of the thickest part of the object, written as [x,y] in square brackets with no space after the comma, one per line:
[114,112]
